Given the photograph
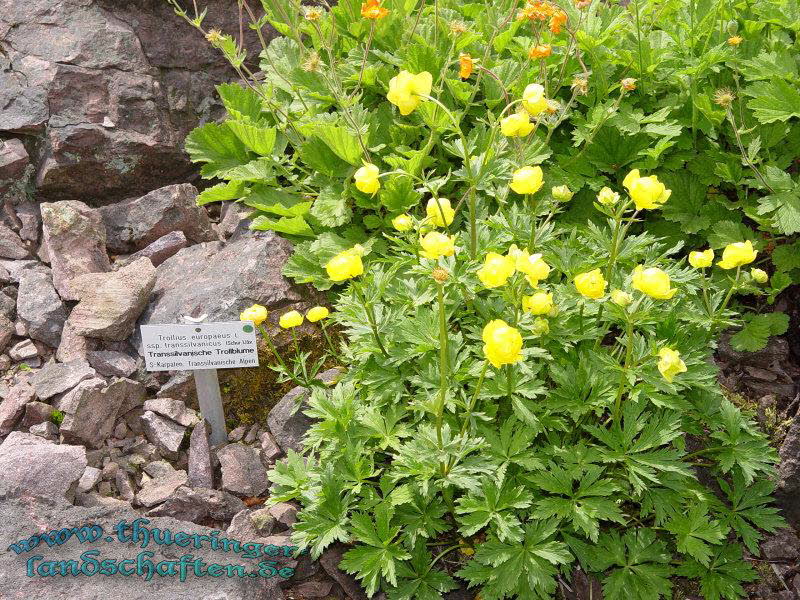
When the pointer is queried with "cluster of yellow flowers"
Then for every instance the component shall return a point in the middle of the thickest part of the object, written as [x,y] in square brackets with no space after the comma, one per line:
[734,255]
[257,314]
[535,103]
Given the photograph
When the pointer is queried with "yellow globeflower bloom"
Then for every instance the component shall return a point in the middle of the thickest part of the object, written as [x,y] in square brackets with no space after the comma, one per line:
[591,284]
[406,90]
[256,313]
[647,192]
[533,99]
[291,319]
[527,180]
[621,298]
[435,244]
[516,125]
[701,259]
[317,314]
[402,222]
[670,363]
[502,343]
[539,303]
[607,197]
[654,282]
[366,179]
[439,212]
[738,254]
[496,270]
[759,275]
[532,265]
[346,265]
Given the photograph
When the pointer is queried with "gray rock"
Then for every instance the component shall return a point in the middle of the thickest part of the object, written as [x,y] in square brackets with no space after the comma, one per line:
[242,470]
[201,470]
[40,307]
[159,468]
[110,303]
[74,346]
[46,430]
[165,433]
[11,245]
[263,521]
[12,407]
[33,467]
[199,505]
[23,350]
[787,493]
[110,363]
[312,589]
[158,251]
[56,378]
[90,478]
[13,161]
[159,489]
[7,330]
[124,485]
[121,430]
[284,513]
[35,413]
[330,560]
[180,386]
[237,434]
[270,451]
[173,409]
[76,243]
[16,268]
[287,421]
[30,218]
[8,306]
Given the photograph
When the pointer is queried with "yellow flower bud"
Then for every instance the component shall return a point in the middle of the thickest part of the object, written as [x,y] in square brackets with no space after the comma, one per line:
[366,179]
[540,303]
[591,284]
[435,244]
[439,212]
[562,193]
[502,343]
[737,254]
[541,326]
[406,90]
[402,222]
[256,313]
[621,298]
[670,363]
[534,100]
[607,197]
[516,125]
[647,192]
[527,180]
[701,259]
[496,270]
[291,319]
[345,265]
[654,282]
[759,275]
[317,314]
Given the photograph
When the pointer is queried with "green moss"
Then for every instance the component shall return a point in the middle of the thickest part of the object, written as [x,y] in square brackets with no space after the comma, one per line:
[57,417]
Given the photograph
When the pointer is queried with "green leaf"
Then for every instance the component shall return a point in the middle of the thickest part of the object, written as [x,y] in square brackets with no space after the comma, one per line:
[259,170]
[757,331]
[331,208]
[787,256]
[722,578]
[316,154]
[324,520]
[240,102]
[748,510]
[398,194]
[217,147]
[775,100]
[260,140]
[689,204]
[288,225]
[276,201]
[729,232]
[418,581]
[495,506]
[233,190]
[343,143]
[695,532]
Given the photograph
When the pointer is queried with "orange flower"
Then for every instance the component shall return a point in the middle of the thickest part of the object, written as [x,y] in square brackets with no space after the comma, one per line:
[372,9]
[466,63]
[558,20]
[540,51]
[537,10]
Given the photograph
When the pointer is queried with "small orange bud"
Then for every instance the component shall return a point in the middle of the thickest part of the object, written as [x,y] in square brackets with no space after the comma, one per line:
[557,21]
[540,51]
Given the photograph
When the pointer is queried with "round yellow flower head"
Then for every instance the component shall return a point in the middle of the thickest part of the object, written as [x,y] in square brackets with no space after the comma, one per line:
[621,298]
[346,264]
[527,180]
[502,343]
[700,259]
[533,99]
[654,282]
[439,212]
[591,284]
[759,275]
[435,244]
[735,40]
[532,265]
[406,90]
[541,326]
[670,363]
[402,222]
[256,313]
[366,179]
[647,192]
[562,193]
[291,319]
[607,197]
[516,125]
[496,270]
[317,314]
[737,254]
[539,303]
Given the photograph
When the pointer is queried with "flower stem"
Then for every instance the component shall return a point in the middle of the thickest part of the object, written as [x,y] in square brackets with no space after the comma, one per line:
[297,355]
[442,370]
[626,366]
[328,338]
[371,318]
[734,287]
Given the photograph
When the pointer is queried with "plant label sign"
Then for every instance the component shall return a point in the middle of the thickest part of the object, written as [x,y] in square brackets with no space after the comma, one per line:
[199,346]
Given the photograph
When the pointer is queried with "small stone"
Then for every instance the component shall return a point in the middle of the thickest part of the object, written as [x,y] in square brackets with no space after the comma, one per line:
[201,471]
[263,521]
[312,589]
[242,470]
[124,485]
[56,378]
[30,218]
[12,408]
[36,412]
[6,332]
[11,246]
[110,470]
[165,433]
[159,468]
[121,430]
[74,346]
[40,307]
[21,329]
[199,505]
[47,430]
[90,478]
[157,490]
[330,560]
[237,434]
[159,251]
[284,513]
[269,449]
[180,386]
[252,434]
[104,488]
[13,160]
[173,409]
[110,363]
[23,350]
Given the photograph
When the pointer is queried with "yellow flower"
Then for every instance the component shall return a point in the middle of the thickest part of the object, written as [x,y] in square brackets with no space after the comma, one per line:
[759,275]
[539,303]
[502,343]
[317,314]
[700,259]
[402,222]
[256,313]
[435,244]
[621,298]
[607,197]
[532,265]
[367,179]
[647,192]
[562,193]
[346,264]
[541,326]
[654,282]
[670,363]
[533,99]
[496,270]
[591,284]
[735,40]
[465,65]
[516,125]
[439,212]
[406,90]
[291,319]
[527,180]
[738,254]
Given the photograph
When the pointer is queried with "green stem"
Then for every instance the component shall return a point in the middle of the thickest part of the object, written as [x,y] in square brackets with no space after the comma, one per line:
[473,225]
[328,338]
[626,366]
[734,287]
[442,369]
[470,408]
[297,356]
[371,318]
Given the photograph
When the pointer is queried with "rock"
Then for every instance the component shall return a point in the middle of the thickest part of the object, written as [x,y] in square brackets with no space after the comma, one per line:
[7,331]
[270,451]
[121,430]
[330,560]
[33,467]
[74,346]
[234,214]
[11,245]
[252,434]
[90,478]
[312,589]
[201,470]
[166,434]
[110,303]
[29,215]
[124,485]
[134,224]
[46,430]
[40,307]
[263,521]
[284,513]
[23,350]
[242,470]
[199,505]
[55,378]
[782,549]
[251,524]
[13,161]
[180,386]
[582,587]
[237,434]
[35,413]
[158,251]
[8,306]
[157,490]
[173,409]
[287,420]
[110,363]
[16,268]
[12,407]
[75,238]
